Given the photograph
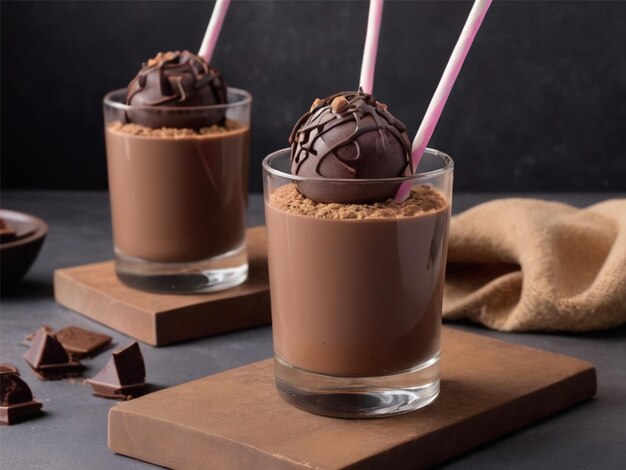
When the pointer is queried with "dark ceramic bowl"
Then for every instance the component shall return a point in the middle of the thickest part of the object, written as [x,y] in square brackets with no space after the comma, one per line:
[17,255]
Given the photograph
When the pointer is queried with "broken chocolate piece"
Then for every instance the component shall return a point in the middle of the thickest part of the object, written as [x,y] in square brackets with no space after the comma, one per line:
[16,399]
[7,232]
[49,360]
[124,377]
[79,342]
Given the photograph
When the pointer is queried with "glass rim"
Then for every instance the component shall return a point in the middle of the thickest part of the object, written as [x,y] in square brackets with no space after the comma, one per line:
[246,99]
[447,168]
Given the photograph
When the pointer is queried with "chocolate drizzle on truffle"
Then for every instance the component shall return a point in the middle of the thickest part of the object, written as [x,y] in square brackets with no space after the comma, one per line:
[178,79]
[349,135]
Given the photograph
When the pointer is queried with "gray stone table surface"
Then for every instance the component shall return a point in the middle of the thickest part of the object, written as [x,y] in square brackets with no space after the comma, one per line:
[73,432]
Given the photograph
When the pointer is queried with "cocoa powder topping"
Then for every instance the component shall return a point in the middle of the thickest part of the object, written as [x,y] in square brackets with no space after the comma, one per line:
[423,199]
[143,131]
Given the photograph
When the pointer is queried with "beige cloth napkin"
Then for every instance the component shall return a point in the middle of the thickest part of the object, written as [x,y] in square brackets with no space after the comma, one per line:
[531,265]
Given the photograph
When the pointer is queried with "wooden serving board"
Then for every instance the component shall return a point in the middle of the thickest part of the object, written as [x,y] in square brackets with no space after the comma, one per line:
[93,290]
[236,420]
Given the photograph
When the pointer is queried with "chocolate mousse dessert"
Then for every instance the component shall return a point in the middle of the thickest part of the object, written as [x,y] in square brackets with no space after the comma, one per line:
[356,279]
[178,167]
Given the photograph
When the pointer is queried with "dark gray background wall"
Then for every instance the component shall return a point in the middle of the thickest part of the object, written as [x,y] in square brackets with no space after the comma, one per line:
[539,106]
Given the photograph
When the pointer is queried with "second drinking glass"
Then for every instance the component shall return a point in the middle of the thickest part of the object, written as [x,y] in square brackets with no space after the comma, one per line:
[178,197]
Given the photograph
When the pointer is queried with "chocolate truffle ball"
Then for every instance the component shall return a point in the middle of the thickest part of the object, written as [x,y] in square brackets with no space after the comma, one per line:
[349,135]
[178,79]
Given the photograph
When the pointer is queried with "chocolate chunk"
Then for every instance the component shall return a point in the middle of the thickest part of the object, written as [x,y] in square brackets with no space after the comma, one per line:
[16,399]
[124,376]
[79,342]
[7,232]
[181,80]
[49,360]
[349,136]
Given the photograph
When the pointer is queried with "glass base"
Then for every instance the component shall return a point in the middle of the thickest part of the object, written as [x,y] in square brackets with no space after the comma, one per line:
[210,275]
[358,397]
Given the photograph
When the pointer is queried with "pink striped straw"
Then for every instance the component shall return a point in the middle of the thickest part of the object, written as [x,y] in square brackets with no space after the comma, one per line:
[213,30]
[438,101]
[371,46]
